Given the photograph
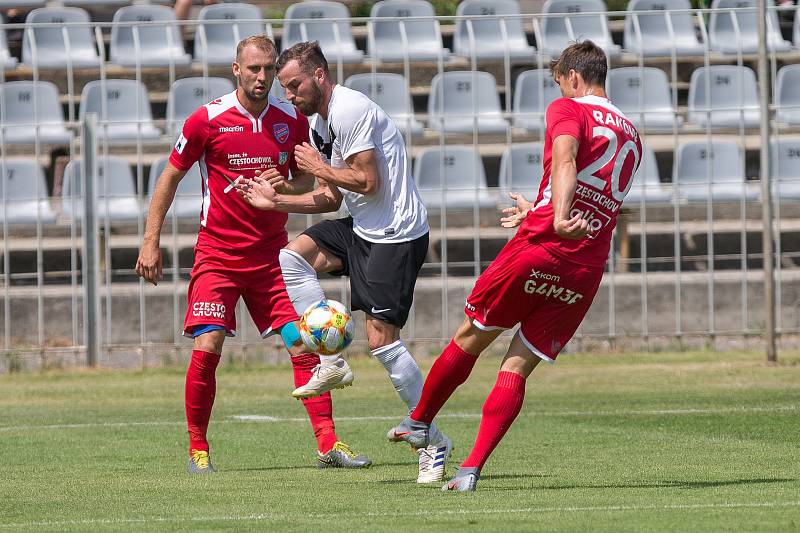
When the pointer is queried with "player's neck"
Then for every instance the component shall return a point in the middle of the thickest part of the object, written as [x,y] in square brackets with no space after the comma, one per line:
[327,94]
[254,107]
[589,90]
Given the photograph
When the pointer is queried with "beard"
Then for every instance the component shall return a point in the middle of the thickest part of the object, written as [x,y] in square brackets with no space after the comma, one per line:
[253,95]
[310,105]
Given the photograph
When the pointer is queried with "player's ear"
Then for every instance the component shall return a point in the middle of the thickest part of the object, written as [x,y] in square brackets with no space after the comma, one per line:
[319,73]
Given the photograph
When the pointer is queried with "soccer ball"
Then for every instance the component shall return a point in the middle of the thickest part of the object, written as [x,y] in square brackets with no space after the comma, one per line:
[326,327]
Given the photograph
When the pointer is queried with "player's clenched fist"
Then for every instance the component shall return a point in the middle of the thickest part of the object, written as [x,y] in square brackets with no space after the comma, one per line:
[308,158]
[149,265]
[575,228]
[258,192]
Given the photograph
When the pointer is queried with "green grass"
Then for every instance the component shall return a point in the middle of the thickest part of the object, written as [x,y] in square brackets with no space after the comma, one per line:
[667,442]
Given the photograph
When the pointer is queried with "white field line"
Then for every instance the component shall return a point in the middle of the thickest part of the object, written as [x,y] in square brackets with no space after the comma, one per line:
[392,514]
[390,418]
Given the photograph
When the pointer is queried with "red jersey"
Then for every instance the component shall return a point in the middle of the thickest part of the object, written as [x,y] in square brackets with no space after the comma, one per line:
[229,142]
[609,150]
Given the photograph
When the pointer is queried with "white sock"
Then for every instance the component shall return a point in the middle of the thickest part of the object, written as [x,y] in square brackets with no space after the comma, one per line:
[303,287]
[403,371]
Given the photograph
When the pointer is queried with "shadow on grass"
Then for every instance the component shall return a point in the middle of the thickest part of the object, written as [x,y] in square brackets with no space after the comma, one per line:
[677,484]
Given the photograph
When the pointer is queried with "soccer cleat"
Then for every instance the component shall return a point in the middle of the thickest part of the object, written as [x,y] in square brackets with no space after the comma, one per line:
[411,431]
[334,375]
[200,462]
[465,481]
[432,461]
[341,456]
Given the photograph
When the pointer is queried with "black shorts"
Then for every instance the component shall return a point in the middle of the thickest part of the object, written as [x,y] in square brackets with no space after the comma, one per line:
[382,275]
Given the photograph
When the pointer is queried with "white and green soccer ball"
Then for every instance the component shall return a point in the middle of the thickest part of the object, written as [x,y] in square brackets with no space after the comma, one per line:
[326,327]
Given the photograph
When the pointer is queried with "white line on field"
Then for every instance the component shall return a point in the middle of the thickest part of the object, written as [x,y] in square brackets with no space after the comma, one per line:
[274,419]
[388,514]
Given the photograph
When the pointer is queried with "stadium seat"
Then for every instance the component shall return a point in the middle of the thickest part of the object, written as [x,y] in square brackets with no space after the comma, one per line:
[187,94]
[452,178]
[221,27]
[731,30]
[335,39]
[785,154]
[787,97]
[560,32]
[95,3]
[7,61]
[47,47]
[159,45]
[10,4]
[492,40]
[643,95]
[461,101]
[277,91]
[647,185]
[116,105]
[389,91]
[521,171]
[533,92]
[733,98]
[114,188]
[796,28]
[715,167]
[658,34]
[23,193]
[28,104]
[423,39]
[189,196]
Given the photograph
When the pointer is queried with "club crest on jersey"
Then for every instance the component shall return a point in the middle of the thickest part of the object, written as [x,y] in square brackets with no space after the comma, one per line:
[281,131]
[283,157]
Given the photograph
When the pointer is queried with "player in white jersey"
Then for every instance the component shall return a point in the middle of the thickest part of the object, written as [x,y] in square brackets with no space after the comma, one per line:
[381,246]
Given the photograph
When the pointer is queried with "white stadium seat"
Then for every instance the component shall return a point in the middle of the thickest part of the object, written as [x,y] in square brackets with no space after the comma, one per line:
[647,186]
[560,32]
[711,170]
[187,94]
[732,101]
[643,95]
[122,108]
[159,45]
[453,178]
[188,200]
[335,38]
[390,92]
[7,61]
[658,34]
[733,27]
[114,189]
[463,100]
[785,155]
[30,110]
[423,39]
[55,47]
[23,193]
[533,92]
[221,28]
[521,170]
[492,38]
[787,96]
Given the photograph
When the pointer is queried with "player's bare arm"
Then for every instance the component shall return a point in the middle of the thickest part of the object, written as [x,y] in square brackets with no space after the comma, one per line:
[516,214]
[565,180]
[360,176]
[149,264]
[261,194]
[301,182]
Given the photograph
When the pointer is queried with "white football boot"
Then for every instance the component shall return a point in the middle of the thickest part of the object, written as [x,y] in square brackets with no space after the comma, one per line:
[325,377]
[433,459]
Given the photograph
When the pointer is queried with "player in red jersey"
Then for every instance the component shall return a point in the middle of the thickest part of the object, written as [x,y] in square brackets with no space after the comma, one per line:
[239,135]
[546,277]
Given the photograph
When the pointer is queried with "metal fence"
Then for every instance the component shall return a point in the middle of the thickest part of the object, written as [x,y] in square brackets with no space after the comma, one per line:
[686,265]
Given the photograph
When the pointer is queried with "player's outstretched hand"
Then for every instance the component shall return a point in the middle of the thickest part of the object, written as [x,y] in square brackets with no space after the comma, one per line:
[575,228]
[275,178]
[149,265]
[516,214]
[257,192]
[308,159]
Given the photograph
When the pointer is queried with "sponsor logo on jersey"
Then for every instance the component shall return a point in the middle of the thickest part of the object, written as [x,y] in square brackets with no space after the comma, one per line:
[588,212]
[208,309]
[237,160]
[283,158]
[538,274]
[230,129]
[281,131]
[181,144]
[551,290]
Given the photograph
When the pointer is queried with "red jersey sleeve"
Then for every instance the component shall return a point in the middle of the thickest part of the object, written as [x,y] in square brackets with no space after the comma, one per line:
[563,118]
[300,135]
[191,143]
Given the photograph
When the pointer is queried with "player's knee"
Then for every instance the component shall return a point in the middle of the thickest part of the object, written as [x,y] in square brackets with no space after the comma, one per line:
[381,334]
[210,341]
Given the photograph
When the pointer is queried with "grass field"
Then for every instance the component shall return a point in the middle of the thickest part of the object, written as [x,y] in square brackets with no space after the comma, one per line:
[702,441]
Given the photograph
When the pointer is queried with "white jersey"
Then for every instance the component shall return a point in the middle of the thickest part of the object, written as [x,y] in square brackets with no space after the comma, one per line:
[394,212]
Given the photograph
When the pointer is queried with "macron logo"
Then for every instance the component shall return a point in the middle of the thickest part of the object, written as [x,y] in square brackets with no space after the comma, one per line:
[229,129]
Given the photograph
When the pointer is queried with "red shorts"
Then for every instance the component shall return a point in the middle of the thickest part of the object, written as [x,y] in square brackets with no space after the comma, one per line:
[217,284]
[527,285]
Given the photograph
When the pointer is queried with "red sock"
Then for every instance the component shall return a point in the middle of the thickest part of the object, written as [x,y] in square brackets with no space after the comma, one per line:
[201,387]
[319,409]
[499,411]
[450,370]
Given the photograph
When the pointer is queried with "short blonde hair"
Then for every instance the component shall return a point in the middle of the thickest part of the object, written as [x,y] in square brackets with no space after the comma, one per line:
[261,41]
